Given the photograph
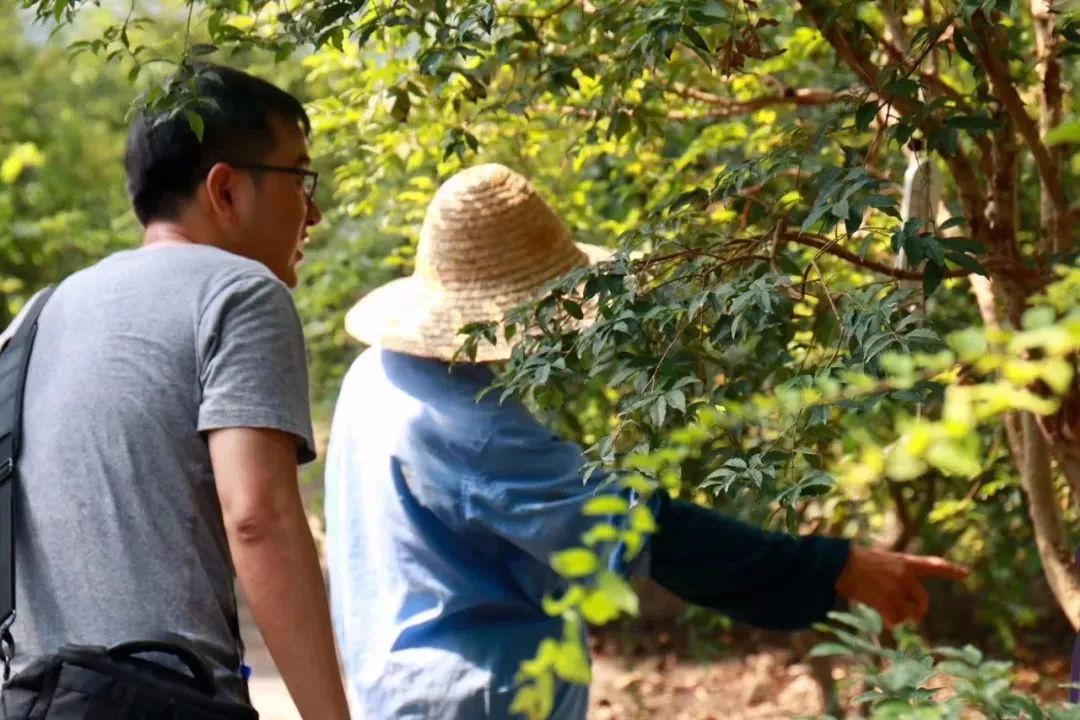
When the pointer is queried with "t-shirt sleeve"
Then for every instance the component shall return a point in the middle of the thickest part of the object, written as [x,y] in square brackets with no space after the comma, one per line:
[253,363]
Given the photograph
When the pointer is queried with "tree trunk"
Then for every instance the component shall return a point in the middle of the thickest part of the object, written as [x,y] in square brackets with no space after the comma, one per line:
[1050,536]
[1031,455]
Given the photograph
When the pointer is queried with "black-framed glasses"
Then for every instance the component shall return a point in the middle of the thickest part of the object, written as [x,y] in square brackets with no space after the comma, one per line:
[310,182]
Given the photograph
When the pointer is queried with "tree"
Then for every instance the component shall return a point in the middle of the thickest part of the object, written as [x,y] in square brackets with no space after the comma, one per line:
[62,198]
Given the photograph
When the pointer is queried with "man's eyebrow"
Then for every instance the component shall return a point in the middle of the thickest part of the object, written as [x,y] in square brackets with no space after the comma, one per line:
[304,159]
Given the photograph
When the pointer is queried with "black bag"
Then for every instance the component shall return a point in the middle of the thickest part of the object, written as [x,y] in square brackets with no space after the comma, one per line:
[86,682]
[94,683]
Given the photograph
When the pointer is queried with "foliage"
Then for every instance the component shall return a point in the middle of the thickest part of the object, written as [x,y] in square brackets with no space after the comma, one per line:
[913,681]
[760,341]
[62,200]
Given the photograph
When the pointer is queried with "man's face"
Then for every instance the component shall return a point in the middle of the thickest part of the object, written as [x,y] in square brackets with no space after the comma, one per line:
[275,224]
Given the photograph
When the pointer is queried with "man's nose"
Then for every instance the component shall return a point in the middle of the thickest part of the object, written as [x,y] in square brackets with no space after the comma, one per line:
[314,214]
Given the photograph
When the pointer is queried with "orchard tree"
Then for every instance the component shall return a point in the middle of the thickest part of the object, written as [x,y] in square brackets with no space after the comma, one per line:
[808,198]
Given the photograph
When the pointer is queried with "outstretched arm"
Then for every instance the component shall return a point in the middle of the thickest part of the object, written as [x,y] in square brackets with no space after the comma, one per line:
[781,582]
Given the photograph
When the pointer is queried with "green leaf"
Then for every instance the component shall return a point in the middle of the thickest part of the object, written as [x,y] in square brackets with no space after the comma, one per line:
[1058,374]
[620,124]
[1038,317]
[903,87]
[641,519]
[816,213]
[528,32]
[932,277]
[572,663]
[618,591]
[195,122]
[964,50]
[703,18]
[571,598]
[605,505]
[864,115]
[1066,132]
[575,562]
[573,309]
[966,262]
[955,221]
[199,49]
[973,122]
[923,335]
[600,533]
[402,105]
[969,344]
[696,39]
[598,608]
[658,411]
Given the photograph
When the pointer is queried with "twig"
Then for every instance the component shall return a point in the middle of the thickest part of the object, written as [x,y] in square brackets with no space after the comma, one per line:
[830,247]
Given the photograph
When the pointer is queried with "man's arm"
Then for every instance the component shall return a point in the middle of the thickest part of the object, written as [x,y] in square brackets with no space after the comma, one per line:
[769,580]
[781,582]
[277,565]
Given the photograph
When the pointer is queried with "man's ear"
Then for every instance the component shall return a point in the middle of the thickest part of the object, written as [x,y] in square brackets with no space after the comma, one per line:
[220,187]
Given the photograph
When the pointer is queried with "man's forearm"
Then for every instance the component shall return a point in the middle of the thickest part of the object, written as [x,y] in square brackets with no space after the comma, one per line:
[278,570]
[770,580]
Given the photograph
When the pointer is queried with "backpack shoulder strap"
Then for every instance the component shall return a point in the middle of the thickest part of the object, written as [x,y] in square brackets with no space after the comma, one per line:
[14,364]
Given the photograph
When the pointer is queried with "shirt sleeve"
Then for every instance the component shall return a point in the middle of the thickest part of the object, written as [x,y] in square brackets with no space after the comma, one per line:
[770,580]
[532,490]
[253,362]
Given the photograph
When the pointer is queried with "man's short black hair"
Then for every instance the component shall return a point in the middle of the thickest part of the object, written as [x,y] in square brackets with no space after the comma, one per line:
[165,160]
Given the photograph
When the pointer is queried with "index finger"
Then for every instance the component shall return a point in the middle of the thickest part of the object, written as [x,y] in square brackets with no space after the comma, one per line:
[924,566]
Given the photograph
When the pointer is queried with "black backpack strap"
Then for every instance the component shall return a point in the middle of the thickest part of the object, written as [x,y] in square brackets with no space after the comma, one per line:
[14,363]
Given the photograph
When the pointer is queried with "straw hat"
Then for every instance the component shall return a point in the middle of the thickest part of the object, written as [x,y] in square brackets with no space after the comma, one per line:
[489,242]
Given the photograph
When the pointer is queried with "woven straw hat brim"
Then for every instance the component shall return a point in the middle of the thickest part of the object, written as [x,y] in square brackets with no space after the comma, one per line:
[419,317]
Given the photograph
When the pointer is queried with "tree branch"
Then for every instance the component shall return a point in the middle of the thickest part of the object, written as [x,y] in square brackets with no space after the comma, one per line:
[828,246]
[931,80]
[990,51]
[963,172]
[903,517]
[725,107]
[1054,230]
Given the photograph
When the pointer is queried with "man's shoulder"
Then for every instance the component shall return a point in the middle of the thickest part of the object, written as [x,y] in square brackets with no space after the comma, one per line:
[221,267]
[174,273]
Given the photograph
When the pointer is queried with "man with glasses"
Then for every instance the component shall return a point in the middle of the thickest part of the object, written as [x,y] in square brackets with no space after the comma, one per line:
[167,408]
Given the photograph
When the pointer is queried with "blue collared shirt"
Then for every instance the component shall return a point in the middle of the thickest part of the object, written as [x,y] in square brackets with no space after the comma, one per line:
[442,513]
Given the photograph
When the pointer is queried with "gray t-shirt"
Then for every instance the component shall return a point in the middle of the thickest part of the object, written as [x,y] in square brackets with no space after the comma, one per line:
[119,534]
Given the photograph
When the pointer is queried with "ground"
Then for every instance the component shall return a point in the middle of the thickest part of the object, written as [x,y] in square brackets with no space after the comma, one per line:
[760,685]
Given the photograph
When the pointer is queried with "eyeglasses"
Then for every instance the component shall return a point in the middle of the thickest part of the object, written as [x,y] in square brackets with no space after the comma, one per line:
[311,178]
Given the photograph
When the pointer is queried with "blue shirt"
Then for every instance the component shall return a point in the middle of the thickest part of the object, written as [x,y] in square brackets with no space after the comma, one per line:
[442,513]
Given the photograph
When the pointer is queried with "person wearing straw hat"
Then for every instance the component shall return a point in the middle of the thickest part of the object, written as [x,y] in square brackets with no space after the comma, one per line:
[443,509]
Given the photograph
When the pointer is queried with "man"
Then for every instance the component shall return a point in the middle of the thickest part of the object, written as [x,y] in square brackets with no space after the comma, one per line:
[167,407]
[443,510]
